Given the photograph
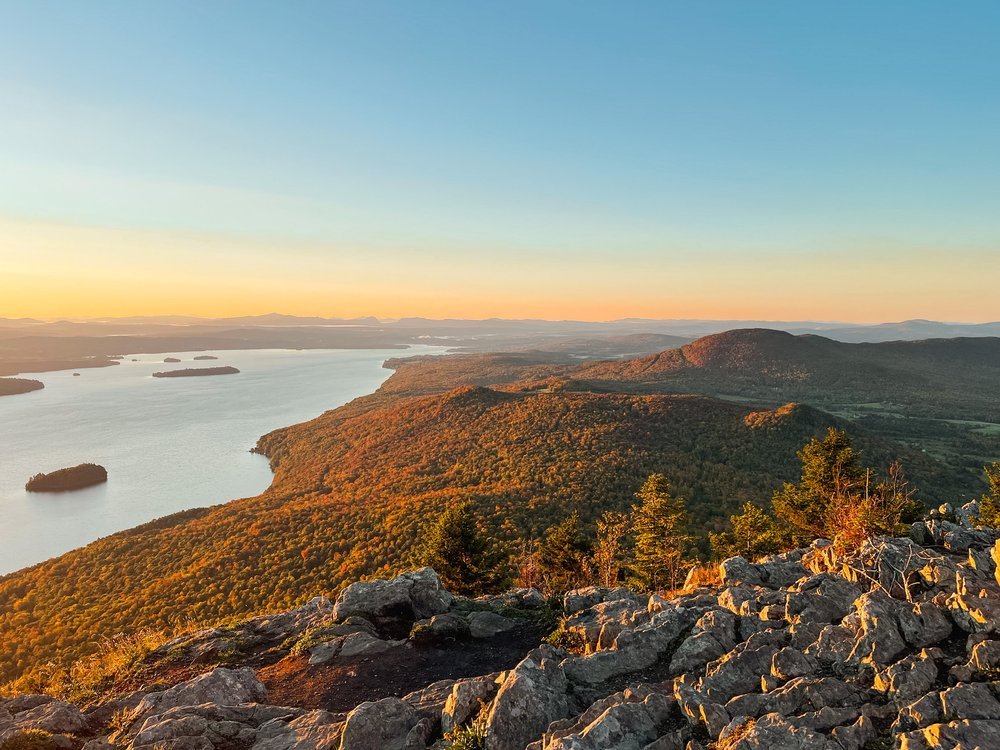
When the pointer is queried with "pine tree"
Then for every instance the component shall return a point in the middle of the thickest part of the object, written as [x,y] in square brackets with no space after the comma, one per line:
[460,552]
[755,534]
[831,474]
[989,504]
[661,539]
[561,555]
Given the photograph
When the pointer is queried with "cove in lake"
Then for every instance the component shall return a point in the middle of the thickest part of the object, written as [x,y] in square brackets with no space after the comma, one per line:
[168,444]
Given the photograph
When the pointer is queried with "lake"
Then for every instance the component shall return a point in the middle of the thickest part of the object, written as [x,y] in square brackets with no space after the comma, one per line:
[168,443]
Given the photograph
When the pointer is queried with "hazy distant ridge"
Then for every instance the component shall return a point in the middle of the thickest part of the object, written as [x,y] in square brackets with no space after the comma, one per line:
[407,327]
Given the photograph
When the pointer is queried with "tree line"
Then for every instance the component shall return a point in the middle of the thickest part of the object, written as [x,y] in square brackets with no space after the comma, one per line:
[653,545]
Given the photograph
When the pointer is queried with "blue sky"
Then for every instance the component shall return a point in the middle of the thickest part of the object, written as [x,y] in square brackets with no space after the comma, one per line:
[710,159]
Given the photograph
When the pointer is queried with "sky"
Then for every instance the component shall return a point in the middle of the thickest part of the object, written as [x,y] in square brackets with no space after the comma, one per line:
[587,160]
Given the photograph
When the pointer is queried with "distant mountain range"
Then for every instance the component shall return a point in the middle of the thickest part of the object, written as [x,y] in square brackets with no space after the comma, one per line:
[504,329]
[908,330]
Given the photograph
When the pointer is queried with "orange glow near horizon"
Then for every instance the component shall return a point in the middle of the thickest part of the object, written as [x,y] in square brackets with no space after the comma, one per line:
[51,271]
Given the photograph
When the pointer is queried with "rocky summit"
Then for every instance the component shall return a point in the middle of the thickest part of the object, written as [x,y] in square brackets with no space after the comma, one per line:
[895,644]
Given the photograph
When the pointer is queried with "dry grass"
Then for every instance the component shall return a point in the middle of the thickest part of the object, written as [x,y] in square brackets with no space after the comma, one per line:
[731,741]
[702,575]
[115,658]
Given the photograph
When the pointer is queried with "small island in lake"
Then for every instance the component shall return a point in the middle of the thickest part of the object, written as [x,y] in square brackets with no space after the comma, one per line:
[64,480]
[202,357]
[12,386]
[171,359]
[195,372]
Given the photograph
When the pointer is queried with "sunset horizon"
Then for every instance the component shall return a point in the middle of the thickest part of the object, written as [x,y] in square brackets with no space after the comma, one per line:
[131,273]
[678,160]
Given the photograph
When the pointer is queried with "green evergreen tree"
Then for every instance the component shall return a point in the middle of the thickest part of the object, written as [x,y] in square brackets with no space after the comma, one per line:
[755,533]
[661,540]
[561,555]
[841,499]
[989,504]
[831,473]
[461,553]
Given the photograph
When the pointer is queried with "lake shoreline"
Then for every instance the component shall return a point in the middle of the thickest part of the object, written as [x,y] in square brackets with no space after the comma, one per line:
[171,445]
[21,366]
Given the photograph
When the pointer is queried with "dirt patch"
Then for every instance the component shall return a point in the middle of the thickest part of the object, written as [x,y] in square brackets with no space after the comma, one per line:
[343,685]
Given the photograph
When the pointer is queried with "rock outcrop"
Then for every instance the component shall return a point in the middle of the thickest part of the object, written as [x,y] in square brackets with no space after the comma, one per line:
[224,687]
[415,595]
[895,644]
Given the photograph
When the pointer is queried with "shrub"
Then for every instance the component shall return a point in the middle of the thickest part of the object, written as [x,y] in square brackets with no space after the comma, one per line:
[298,645]
[120,720]
[735,738]
[569,640]
[471,736]
[703,575]
[878,509]
[610,553]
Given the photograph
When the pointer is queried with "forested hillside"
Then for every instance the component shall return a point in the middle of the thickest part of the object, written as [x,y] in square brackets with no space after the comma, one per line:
[354,487]
[935,396]
[944,378]
[433,374]
[935,378]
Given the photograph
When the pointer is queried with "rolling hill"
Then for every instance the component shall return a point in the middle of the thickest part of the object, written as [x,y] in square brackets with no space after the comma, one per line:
[434,374]
[946,378]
